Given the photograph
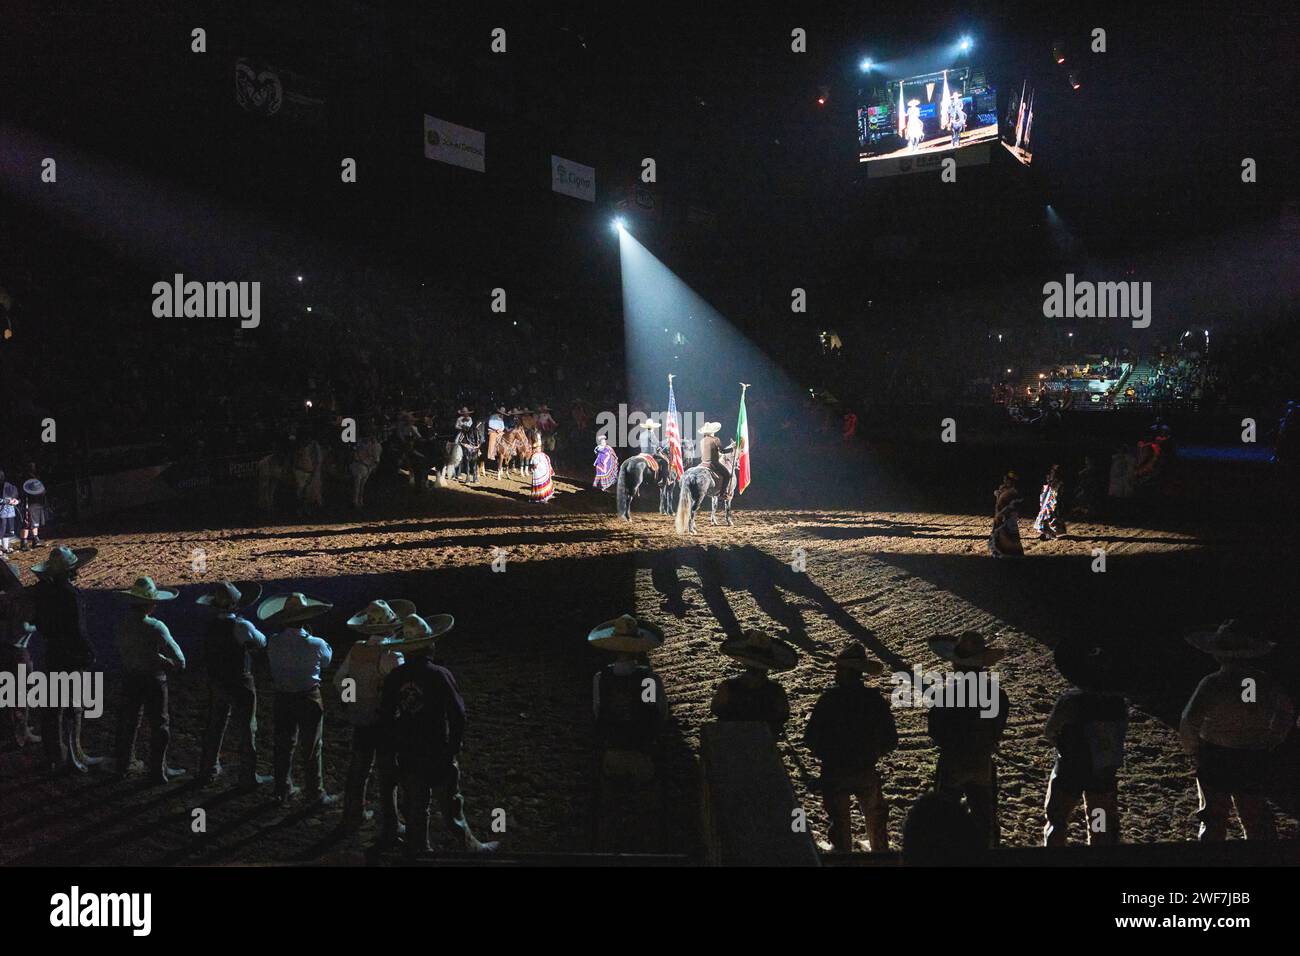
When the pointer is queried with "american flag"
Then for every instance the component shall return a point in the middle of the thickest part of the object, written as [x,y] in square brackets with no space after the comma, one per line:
[671,433]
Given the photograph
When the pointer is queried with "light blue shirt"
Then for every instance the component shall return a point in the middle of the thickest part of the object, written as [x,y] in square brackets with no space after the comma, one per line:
[297,658]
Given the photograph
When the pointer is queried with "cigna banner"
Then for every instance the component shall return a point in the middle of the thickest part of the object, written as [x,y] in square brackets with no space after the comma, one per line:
[449,143]
[573,179]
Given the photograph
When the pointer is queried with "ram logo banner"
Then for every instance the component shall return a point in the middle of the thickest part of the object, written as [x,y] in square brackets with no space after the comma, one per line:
[457,145]
[269,90]
[573,179]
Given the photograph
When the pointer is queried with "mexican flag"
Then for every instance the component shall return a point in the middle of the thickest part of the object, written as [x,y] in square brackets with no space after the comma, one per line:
[742,448]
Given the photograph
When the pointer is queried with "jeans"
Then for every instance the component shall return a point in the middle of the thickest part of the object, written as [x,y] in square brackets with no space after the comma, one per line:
[365,748]
[147,692]
[1253,811]
[225,700]
[421,782]
[299,716]
[1063,799]
[838,791]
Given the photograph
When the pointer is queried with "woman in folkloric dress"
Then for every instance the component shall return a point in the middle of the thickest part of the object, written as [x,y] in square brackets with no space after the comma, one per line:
[1004,541]
[606,465]
[1050,522]
[543,487]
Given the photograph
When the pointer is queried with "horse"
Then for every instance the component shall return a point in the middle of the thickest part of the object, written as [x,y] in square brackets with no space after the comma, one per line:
[272,472]
[633,472]
[697,484]
[301,468]
[365,461]
[514,445]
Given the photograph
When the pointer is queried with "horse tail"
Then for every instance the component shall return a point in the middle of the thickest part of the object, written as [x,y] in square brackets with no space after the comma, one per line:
[681,520]
[622,492]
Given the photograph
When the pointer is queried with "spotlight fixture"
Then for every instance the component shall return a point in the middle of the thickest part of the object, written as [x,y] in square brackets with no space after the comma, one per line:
[1075,80]
[1058,52]
[865,65]
[965,44]
[618,225]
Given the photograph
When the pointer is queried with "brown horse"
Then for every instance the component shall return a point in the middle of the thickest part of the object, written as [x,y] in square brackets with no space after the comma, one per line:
[515,445]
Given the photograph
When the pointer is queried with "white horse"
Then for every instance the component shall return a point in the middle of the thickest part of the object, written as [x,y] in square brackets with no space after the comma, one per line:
[365,459]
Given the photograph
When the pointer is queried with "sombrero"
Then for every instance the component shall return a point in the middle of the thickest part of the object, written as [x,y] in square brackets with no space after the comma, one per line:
[854,657]
[913,102]
[1088,666]
[417,633]
[756,649]
[649,424]
[710,428]
[62,560]
[381,616]
[226,596]
[626,634]
[1228,642]
[33,486]
[967,649]
[464,411]
[284,609]
[144,591]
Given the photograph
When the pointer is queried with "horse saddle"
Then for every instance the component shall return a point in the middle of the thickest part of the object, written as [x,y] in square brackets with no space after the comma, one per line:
[650,460]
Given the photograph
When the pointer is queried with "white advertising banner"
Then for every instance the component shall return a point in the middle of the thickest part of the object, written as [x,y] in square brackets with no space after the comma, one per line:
[573,179]
[449,143]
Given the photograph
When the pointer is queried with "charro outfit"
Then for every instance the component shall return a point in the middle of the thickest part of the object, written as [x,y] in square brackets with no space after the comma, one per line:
[711,455]
[297,658]
[1088,728]
[966,738]
[850,729]
[1233,741]
[422,719]
[227,648]
[59,621]
[148,652]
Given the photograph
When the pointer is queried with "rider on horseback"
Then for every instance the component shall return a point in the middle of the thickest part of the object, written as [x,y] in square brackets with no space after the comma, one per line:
[711,452]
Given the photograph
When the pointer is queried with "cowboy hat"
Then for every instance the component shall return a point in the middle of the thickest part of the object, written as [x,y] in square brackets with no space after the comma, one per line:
[144,591]
[62,560]
[291,608]
[1228,642]
[967,649]
[854,657]
[758,650]
[710,428]
[626,635]
[226,596]
[417,633]
[464,411]
[380,616]
[1088,666]
[33,486]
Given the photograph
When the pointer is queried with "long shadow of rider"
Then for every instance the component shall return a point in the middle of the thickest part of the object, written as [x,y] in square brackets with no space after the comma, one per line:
[769,580]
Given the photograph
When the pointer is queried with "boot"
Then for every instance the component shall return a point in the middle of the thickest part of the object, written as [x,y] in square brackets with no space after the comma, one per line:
[474,845]
[163,775]
[82,760]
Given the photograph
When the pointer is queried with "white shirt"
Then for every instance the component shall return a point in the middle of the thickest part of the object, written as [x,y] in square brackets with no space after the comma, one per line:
[297,658]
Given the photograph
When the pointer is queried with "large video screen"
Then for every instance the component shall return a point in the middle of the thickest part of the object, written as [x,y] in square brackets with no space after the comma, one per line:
[1019,124]
[928,113]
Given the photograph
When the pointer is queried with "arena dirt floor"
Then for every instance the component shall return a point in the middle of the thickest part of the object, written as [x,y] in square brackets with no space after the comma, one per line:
[888,578]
